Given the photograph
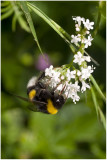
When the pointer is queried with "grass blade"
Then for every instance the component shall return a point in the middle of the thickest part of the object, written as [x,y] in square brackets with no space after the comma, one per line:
[98,110]
[94,100]
[54,25]
[4,9]
[7,14]
[14,19]
[18,16]
[4,3]
[23,24]
[102,118]
[25,9]
[98,88]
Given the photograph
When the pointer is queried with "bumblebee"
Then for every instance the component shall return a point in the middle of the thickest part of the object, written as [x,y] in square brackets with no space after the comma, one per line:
[43,98]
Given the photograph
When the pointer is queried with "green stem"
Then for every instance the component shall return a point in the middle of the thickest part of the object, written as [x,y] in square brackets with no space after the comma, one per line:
[98,88]
[98,109]
[30,22]
[98,24]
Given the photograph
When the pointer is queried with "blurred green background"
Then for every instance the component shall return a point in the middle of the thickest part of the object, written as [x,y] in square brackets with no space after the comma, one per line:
[75,132]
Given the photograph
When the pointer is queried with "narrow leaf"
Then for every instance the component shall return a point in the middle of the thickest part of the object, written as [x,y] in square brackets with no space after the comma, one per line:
[102,117]
[18,16]
[30,22]
[98,110]
[94,100]
[14,19]
[23,23]
[4,3]
[98,88]
[4,9]
[7,14]
[53,24]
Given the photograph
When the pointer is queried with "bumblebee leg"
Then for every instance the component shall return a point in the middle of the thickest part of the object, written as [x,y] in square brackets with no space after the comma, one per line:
[33,108]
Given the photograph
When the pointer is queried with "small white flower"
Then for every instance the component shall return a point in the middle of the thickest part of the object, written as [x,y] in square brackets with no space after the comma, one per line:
[62,77]
[70,74]
[87,32]
[87,58]
[75,39]
[78,73]
[73,89]
[49,71]
[86,72]
[78,58]
[55,77]
[77,27]
[78,19]
[88,24]
[60,87]
[84,86]
[75,98]
[88,41]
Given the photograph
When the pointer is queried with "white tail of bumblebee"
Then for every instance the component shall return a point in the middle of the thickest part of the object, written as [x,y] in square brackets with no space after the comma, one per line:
[32,82]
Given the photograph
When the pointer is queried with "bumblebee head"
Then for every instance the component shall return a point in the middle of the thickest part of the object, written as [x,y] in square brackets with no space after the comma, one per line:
[58,101]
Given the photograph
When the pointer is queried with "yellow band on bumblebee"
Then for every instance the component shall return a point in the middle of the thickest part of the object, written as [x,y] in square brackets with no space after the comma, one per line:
[50,107]
[32,94]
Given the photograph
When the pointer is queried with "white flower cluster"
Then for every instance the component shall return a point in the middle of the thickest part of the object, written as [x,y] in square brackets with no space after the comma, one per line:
[61,79]
[83,32]
[67,82]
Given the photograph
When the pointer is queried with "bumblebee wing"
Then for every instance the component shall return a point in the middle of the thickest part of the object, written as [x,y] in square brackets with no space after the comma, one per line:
[20,97]
[28,100]
[38,102]
[33,108]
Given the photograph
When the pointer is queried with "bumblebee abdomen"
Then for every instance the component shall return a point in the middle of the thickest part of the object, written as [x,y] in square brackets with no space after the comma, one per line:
[50,107]
[32,94]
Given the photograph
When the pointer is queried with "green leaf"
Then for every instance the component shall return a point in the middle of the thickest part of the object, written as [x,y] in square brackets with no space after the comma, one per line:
[4,9]
[53,24]
[7,14]
[23,24]
[18,16]
[98,110]
[102,7]
[14,19]
[102,117]
[30,22]
[5,3]
[98,88]
[97,25]
[94,100]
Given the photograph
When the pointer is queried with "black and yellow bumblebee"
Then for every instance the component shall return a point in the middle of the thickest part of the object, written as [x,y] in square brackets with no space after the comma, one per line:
[42,97]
